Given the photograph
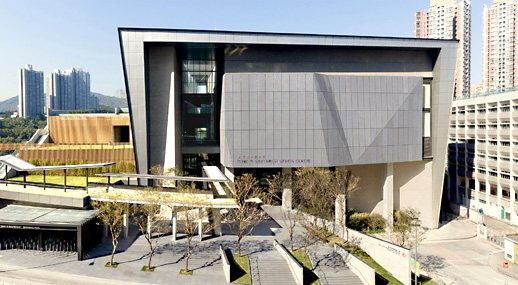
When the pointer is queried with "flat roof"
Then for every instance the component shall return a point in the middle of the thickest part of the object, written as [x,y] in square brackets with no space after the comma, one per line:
[164,177]
[275,34]
[22,165]
[40,215]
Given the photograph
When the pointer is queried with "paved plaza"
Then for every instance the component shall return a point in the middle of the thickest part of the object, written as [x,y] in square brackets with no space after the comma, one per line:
[19,267]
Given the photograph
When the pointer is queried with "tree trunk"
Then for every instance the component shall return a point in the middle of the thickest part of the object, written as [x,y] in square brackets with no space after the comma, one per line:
[239,245]
[291,241]
[150,255]
[115,243]
[188,255]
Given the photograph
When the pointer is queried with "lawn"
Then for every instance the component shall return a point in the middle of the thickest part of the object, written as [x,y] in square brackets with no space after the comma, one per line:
[309,277]
[240,269]
[74,181]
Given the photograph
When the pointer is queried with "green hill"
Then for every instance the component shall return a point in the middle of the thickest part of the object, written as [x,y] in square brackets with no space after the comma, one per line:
[110,101]
[10,104]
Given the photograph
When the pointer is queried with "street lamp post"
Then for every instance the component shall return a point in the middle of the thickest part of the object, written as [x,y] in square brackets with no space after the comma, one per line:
[415,259]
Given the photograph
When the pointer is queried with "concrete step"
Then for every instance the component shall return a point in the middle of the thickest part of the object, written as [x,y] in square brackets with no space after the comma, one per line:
[273,270]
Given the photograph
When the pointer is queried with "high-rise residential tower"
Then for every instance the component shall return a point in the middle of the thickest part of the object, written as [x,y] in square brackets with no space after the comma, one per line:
[70,90]
[447,19]
[499,45]
[31,99]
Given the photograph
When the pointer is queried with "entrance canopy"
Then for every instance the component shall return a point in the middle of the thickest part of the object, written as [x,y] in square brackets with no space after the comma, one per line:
[44,216]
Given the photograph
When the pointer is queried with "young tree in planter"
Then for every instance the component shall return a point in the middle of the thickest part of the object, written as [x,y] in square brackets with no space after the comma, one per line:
[403,227]
[248,215]
[111,213]
[276,186]
[147,222]
[190,217]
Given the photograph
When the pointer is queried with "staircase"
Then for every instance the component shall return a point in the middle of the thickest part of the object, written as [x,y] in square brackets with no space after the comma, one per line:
[270,268]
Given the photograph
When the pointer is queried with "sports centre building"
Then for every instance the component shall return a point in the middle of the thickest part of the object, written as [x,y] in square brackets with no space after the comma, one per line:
[265,103]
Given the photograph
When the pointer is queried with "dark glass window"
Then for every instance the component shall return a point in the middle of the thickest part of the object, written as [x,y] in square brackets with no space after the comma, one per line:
[199,97]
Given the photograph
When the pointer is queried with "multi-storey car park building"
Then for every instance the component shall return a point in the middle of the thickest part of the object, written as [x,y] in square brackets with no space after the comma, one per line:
[447,19]
[264,103]
[483,155]
[499,45]
[31,98]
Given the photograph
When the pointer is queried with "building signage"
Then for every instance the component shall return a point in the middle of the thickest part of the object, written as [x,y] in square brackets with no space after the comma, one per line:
[19,227]
[257,159]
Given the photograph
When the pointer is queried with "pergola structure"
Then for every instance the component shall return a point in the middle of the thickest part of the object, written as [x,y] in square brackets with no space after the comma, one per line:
[23,166]
[221,198]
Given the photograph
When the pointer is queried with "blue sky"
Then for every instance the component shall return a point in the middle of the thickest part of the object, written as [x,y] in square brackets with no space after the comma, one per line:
[63,34]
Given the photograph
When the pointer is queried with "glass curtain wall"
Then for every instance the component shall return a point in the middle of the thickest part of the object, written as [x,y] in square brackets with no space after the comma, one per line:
[199,88]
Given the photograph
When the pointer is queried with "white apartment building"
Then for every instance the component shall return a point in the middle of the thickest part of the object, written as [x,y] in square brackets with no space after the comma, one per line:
[31,98]
[447,19]
[499,43]
[70,90]
[483,154]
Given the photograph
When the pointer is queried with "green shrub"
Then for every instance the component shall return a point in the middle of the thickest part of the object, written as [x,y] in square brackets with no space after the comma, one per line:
[376,222]
[359,221]
[366,222]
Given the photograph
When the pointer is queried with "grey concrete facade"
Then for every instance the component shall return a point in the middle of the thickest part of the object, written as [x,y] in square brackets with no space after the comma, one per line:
[290,100]
[320,120]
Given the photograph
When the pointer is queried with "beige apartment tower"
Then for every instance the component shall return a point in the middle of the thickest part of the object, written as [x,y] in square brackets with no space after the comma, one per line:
[447,19]
[499,46]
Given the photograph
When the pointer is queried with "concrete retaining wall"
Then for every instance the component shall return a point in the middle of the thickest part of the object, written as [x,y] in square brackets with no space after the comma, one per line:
[226,264]
[366,273]
[296,269]
[393,258]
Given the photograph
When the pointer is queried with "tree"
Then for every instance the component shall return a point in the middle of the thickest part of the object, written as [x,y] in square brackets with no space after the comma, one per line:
[404,226]
[277,184]
[316,191]
[148,222]
[111,213]
[249,214]
[191,218]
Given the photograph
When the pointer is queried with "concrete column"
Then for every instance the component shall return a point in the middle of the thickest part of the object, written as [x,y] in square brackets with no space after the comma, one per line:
[341,213]
[173,225]
[388,194]
[105,230]
[287,195]
[216,219]
[287,199]
[149,227]
[125,228]
[200,226]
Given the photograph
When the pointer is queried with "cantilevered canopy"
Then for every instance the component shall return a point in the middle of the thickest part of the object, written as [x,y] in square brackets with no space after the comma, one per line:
[164,177]
[22,165]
